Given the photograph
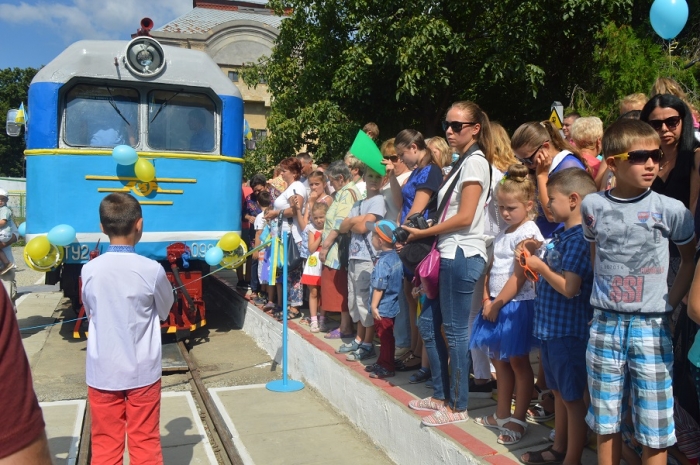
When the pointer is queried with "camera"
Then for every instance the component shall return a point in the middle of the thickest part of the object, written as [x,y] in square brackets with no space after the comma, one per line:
[416,221]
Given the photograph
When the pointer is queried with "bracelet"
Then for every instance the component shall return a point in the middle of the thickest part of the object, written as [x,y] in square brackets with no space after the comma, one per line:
[486,299]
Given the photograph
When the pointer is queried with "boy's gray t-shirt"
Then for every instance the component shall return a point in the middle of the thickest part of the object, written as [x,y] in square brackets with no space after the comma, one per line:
[6,214]
[358,246]
[631,254]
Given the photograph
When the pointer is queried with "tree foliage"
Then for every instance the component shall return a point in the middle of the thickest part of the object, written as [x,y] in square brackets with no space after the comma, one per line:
[341,63]
[14,84]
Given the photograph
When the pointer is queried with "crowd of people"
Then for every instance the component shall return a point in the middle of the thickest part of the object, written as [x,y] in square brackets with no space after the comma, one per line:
[477,248]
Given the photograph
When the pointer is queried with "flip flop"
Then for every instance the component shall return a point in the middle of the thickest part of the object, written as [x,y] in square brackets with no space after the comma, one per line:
[336,334]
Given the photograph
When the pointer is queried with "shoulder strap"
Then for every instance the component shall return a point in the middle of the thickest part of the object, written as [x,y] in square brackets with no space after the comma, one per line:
[453,176]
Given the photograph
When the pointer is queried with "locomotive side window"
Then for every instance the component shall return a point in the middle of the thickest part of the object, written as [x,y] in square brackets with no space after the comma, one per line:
[100,116]
[181,121]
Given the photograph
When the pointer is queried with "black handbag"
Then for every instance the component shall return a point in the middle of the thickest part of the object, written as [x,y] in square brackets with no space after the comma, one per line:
[413,253]
[343,242]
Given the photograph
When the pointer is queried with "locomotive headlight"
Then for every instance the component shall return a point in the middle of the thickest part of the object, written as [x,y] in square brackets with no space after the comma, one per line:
[144,57]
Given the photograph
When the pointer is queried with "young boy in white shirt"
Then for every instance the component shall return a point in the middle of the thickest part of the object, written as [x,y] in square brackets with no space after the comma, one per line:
[125,297]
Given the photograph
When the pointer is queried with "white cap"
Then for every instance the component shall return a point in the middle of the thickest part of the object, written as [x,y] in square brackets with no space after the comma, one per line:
[3,193]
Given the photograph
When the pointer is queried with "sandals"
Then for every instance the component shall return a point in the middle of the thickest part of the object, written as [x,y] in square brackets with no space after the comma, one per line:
[536,457]
[542,394]
[508,436]
[409,363]
[538,414]
[484,421]
[336,334]
[291,315]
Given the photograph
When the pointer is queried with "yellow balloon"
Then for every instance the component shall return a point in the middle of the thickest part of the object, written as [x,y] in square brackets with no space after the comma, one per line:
[234,258]
[53,259]
[144,170]
[230,241]
[38,247]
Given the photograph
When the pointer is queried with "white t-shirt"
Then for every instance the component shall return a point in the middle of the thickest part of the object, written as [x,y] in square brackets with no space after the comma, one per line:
[493,221]
[470,239]
[125,297]
[282,203]
[504,259]
[259,223]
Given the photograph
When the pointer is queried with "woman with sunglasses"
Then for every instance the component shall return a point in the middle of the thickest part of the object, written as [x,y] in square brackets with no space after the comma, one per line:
[677,178]
[540,147]
[678,170]
[460,233]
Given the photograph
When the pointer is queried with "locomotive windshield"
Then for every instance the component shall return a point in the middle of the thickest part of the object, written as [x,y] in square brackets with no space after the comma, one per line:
[181,121]
[101,116]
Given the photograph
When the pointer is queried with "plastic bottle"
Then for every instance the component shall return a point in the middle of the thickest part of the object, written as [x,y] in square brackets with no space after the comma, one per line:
[553,257]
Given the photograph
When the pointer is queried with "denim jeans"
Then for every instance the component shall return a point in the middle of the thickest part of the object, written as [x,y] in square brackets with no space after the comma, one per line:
[429,325]
[458,278]
[402,323]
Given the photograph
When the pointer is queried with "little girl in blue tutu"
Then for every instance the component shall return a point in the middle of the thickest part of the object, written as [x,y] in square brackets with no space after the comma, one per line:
[503,328]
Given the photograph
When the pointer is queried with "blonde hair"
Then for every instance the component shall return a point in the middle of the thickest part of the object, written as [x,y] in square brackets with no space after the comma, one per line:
[355,163]
[444,149]
[319,206]
[388,148]
[517,182]
[623,134]
[586,131]
[665,85]
[632,102]
[483,137]
[503,155]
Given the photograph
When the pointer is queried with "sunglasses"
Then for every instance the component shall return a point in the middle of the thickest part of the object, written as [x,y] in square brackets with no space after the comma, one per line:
[640,157]
[529,274]
[528,160]
[456,126]
[392,158]
[671,123]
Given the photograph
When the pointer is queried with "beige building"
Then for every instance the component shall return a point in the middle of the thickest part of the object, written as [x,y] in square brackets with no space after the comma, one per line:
[233,33]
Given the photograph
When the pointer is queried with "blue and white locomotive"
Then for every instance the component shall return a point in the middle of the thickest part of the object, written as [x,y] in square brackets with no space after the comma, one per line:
[179,112]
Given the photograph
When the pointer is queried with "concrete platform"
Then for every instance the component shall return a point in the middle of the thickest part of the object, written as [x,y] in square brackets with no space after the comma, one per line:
[379,407]
[275,428]
[183,437]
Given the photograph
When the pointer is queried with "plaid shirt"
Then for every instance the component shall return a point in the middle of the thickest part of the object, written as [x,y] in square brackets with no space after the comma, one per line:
[555,315]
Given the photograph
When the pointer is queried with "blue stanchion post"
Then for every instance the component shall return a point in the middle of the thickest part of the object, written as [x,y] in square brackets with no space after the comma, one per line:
[285,384]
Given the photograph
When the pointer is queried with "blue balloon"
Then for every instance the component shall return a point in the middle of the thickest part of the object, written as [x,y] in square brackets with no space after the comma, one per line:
[63,235]
[124,155]
[668,17]
[214,256]
[22,229]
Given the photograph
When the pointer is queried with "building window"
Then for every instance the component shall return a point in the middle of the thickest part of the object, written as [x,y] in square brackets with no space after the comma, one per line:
[259,134]
[233,76]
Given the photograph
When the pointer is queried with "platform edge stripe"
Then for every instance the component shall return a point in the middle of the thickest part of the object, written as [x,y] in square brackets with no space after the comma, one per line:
[242,451]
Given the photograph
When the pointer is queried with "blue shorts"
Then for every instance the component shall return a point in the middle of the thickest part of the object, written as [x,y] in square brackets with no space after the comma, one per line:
[564,362]
[631,354]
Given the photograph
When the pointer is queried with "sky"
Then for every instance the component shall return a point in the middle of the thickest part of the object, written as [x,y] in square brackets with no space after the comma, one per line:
[33,32]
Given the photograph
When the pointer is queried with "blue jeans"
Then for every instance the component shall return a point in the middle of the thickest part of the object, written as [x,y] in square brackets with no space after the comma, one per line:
[458,278]
[402,323]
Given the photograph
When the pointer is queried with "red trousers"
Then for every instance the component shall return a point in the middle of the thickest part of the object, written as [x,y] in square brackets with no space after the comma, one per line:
[385,330]
[134,413]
